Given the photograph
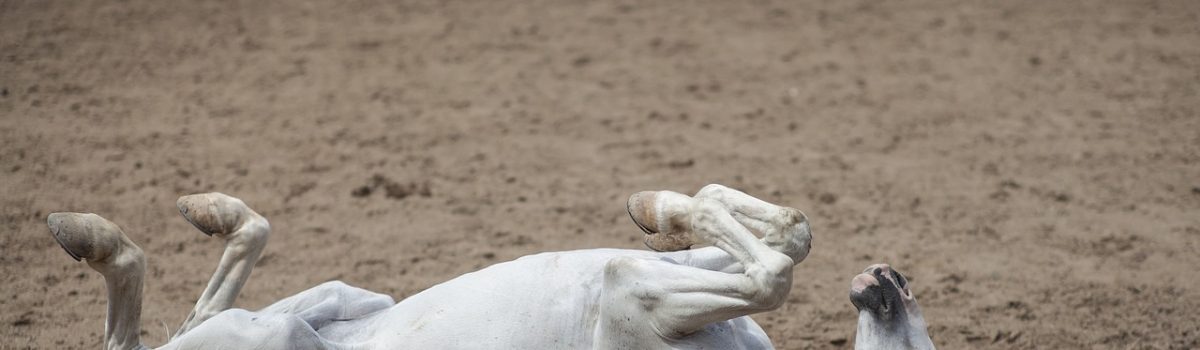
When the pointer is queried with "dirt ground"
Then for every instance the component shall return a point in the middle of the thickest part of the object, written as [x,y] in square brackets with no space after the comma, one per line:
[1034,166]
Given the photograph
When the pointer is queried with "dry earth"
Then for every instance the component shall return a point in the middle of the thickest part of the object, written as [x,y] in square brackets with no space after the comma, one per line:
[1033,165]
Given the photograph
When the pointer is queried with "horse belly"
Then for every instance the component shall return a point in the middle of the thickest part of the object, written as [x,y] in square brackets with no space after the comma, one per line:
[542,301]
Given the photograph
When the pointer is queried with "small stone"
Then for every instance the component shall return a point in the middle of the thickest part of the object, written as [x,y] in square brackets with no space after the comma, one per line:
[680,164]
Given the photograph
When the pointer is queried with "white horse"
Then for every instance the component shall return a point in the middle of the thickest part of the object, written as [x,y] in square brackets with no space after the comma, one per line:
[595,298]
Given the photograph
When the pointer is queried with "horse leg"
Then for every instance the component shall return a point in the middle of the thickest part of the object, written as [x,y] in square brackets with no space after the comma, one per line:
[782,228]
[329,302]
[108,251]
[245,233]
[647,302]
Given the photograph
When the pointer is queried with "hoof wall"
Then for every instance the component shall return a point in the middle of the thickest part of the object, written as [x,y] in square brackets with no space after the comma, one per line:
[84,235]
[643,209]
[213,213]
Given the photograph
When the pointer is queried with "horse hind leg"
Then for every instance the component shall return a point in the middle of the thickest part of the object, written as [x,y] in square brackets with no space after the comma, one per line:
[245,233]
[107,250]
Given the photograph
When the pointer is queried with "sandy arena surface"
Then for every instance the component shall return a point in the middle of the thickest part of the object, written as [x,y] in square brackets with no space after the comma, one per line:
[1034,166]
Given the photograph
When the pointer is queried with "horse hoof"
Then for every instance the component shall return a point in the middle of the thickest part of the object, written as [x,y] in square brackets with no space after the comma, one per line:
[85,235]
[213,213]
[663,233]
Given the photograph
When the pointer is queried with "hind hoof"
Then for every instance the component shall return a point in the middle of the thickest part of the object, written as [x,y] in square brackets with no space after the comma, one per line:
[213,213]
[85,235]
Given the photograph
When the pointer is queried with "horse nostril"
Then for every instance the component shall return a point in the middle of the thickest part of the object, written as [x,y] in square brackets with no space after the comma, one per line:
[882,269]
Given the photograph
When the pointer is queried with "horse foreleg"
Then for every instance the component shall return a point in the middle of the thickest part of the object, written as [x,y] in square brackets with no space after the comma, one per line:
[646,303]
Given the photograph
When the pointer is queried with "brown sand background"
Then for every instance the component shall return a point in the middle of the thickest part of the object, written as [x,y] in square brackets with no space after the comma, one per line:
[1033,165]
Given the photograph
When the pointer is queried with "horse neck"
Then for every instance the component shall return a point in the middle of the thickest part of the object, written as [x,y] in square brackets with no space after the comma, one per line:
[903,333]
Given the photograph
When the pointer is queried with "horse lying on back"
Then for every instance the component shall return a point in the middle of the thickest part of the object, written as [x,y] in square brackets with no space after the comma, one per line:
[671,298]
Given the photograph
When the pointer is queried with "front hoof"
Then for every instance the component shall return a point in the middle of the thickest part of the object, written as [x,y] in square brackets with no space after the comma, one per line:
[641,209]
[661,215]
